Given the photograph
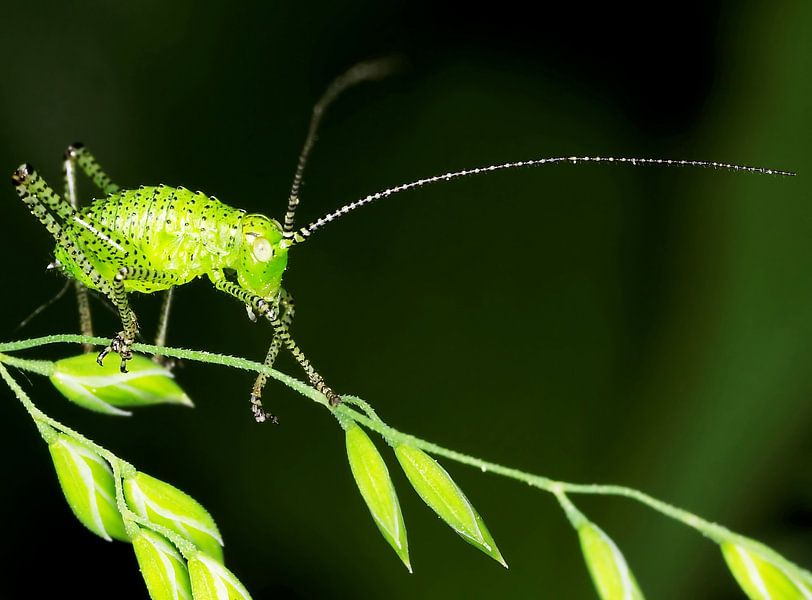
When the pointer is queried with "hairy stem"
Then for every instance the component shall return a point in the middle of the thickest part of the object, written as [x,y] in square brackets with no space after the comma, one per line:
[234,362]
[40,367]
[369,418]
[120,468]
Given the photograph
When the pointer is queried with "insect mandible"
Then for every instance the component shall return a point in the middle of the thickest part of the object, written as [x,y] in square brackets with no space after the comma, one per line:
[154,238]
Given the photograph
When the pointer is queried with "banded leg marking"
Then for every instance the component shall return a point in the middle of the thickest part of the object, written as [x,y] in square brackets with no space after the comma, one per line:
[77,155]
[122,343]
[38,195]
[262,308]
[288,309]
[41,200]
[82,302]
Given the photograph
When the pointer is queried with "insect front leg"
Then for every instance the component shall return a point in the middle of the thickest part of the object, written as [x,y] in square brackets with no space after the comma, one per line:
[262,308]
[287,311]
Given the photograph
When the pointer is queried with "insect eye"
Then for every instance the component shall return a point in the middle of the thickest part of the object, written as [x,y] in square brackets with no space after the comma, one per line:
[263,251]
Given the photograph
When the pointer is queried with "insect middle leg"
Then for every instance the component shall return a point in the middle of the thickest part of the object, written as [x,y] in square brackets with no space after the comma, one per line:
[121,344]
[287,309]
[262,308]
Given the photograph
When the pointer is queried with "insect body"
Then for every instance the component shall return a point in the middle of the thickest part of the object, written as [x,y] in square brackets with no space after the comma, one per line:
[181,234]
[154,238]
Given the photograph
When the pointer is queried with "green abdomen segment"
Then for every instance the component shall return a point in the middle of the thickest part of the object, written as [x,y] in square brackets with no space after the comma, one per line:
[176,230]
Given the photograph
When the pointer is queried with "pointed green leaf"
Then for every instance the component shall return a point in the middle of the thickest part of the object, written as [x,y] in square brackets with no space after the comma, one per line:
[611,575]
[162,567]
[761,578]
[372,478]
[105,389]
[212,581]
[87,482]
[166,505]
[435,486]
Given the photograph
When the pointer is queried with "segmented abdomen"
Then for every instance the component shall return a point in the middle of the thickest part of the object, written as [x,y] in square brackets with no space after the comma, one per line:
[179,231]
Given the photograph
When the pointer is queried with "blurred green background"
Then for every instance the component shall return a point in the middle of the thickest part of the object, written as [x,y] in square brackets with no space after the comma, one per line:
[641,326]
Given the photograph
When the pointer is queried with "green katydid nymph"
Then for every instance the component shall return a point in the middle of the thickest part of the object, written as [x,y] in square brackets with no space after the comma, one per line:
[154,238]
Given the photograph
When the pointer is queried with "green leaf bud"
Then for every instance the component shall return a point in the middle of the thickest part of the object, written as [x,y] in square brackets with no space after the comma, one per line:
[166,505]
[435,486]
[162,567]
[372,478]
[87,482]
[611,575]
[761,578]
[105,389]
[212,581]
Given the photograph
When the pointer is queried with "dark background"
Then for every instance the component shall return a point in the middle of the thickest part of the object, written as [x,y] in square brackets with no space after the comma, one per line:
[641,326]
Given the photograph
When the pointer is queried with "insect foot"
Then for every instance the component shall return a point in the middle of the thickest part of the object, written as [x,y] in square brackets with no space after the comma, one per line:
[260,414]
[332,397]
[121,346]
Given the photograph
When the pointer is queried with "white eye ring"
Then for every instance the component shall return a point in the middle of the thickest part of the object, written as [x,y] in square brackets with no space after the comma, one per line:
[262,249]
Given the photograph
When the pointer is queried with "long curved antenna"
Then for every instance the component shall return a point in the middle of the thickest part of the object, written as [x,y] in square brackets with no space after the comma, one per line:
[303,233]
[364,71]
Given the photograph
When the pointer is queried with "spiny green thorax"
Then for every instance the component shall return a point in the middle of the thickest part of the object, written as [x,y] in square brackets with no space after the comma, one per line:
[179,232]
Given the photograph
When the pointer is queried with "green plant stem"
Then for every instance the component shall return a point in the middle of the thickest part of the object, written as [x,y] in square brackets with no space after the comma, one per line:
[119,467]
[575,516]
[394,437]
[195,355]
[370,419]
[40,417]
[40,367]
[186,548]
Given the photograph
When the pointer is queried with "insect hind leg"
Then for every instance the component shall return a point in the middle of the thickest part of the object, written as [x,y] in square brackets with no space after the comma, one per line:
[77,155]
[73,154]
[43,202]
[54,213]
